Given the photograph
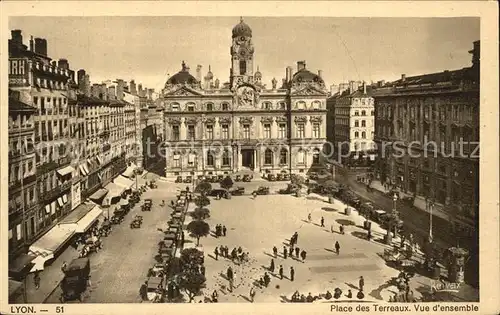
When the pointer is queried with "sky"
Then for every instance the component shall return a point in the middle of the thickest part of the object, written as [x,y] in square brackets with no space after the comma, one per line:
[149,49]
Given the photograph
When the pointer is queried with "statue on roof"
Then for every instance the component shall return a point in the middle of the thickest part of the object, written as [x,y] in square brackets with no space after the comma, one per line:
[274,82]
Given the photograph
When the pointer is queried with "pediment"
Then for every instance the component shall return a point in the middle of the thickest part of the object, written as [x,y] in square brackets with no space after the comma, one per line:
[184,91]
[309,90]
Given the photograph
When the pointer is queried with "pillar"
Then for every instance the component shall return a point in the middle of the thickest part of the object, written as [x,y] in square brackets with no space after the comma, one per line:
[456,264]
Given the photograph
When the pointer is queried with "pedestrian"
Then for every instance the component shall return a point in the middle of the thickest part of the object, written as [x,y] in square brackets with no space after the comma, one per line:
[252,294]
[309,217]
[341,228]
[297,252]
[296,238]
[216,252]
[275,251]
[292,273]
[331,228]
[143,291]
[215,296]
[224,230]
[361,283]
[229,273]
[369,234]
[322,222]
[267,279]
[303,254]
[36,279]
[290,252]
[271,267]
[63,267]
[285,252]
[281,272]
[337,247]
[202,269]
[349,294]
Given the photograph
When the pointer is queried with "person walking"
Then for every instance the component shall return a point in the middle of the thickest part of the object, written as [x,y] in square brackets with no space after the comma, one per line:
[267,279]
[275,251]
[303,254]
[369,234]
[281,272]
[252,294]
[322,222]
[292,273]
[216,252]
[341,228]
[290,252]
[297,252]
[215,296]
[63,267]
[331,228]
[309,217]
[349,294]
[285,252]
[295,238]
[271,267]
[230,277]
[337,247]
[224,230]
[36,279]
[361,283]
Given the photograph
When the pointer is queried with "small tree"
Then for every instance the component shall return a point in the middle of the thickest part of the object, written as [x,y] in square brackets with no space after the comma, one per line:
[203,188]
[192,282]
[191,258]
[202,201]
[200,214]
[297,180]
[198,229]
[392,221]
[227,182]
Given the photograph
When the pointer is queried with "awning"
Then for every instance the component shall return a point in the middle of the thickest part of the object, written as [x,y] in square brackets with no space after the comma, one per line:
[88,220]
[123,181]
[86,169]
[65,198]
[20,265]
[123,202]
[129,172]
[60,202]
[98,159]
[99,194]
[47,209]
[82,217]
[82,171]
[65,170]
[45,247]
[114,191]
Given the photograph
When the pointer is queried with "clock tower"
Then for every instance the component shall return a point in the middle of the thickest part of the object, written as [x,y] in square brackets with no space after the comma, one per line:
[241,55]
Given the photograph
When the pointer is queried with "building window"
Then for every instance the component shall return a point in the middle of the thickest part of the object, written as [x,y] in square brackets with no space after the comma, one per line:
[301,157]
[246,131]
[267,131]
[315,160]
[356,135]
[226,160]
[356,113]
[243,66]
[192,159]
[190,108]
[225,107]
[316,133]
[210,107]
[175,107]
[191,132]
[300,130]
[210,158]
[225,131]
[268,157]
[282,131]
[363,123]
[210,132]
[373,113]
[267,105]
[363,112]
[177,159]
[363,135]
[356,123]
[283,156]
[175,133]
[282,106]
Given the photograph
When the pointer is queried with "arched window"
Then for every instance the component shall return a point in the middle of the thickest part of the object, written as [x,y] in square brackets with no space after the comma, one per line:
[283,156]
[373,113]
[316,104]
[243,66]
[301,157]
[268,157]
[266,105]
[175,107]
[301,105]
[225,106]
[363,123]
[210,158]
[315,157]
[226,158]
[210,107]
[363,135]
[190,107]
[363,113]
[356,134]
[282,106]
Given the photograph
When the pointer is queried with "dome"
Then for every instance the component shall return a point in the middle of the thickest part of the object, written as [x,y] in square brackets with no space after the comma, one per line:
[209,75]
[182,77]
[306,76]
[242,29]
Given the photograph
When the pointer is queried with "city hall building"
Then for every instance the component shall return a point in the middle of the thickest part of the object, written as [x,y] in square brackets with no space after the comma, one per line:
[214,129]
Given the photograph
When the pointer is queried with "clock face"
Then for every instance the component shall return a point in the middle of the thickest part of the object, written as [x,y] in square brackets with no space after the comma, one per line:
[242,38]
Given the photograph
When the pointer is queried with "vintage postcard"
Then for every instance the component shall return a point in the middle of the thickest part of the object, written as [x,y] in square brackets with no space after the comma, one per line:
[250,157]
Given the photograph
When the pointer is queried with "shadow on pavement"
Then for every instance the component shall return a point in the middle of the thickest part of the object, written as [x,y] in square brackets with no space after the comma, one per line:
[284,299]
[345,222]
[330,250]
[352,286]
[328,209]
[271,255]
[360,235]
[376,293]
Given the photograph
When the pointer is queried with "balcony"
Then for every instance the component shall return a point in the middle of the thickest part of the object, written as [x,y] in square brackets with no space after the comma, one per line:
[27,180]
[64,161]
[45,195]
[47,167]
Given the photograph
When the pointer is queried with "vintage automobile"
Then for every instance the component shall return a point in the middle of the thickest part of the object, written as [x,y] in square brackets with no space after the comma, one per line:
[262,190]
[105,228]
[147,205]
[158,270]
[189,179]
[136,222]
[155,290]
[218,192]
[220,178]
[75,281]
[247,178]
[201,178]
[313,175]
[179,179]
[279,177]
[286,177]
[271,177]
[238,191]
[237,178]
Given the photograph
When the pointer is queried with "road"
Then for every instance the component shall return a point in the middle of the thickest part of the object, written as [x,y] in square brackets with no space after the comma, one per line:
[417,222]
[119,269]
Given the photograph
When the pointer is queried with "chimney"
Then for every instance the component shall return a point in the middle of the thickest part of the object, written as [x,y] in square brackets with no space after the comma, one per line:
[103,90]
[351,86]
[120,87]
[44,47]
[87,85]
[301,65]
[63,64]
[198,72]
[133,88]
[139,89]
[320,73]
[32,48]
[476,54]
[150,93]
[17,37]
[403,77]
[380,83]
[334,89]
[38,45]
[364,87]
[95,90]
[112,93]
[289,71]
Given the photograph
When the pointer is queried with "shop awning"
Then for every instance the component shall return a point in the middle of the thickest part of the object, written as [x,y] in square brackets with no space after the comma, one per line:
[114,191]
[60,202]
[99,194]
[65,170]
[123,202]
[82,217]
[85,167]
[129,172]
[123,181]
[45,247]
[99,160]
[82,171]
[88,220]
[20,265]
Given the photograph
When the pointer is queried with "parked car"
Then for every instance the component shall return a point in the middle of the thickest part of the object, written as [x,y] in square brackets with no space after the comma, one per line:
[313,175]
[188,180]
[178,179]
[247,178]
[75,280]
[271,177]
[286,177]
[220,178]
[218,192]
[262,190]
[279,177]
[238,191]
[237,178]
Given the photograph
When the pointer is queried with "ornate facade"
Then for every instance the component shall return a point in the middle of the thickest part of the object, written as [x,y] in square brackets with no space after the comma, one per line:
[242,125]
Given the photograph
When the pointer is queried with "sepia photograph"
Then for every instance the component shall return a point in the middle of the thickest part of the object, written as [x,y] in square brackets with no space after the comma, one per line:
[244,159]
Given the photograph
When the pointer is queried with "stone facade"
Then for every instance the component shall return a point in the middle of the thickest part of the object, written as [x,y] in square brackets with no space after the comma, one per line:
[241,125]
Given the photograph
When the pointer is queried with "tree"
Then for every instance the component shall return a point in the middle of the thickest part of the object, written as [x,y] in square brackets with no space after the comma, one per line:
[198,229]
[192,282]
[191,258]
[297,179]
[200,214]
[202,201]
[203,188]
[391,221]
[227,182]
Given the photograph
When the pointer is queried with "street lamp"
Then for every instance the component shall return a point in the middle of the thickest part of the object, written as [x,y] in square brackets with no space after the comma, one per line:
[431,207]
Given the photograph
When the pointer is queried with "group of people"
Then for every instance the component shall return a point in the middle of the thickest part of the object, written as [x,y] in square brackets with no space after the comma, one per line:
[236,254]
[220,230]
[280,270]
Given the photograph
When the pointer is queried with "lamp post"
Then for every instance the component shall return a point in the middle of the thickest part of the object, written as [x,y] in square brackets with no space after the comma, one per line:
[431,207]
